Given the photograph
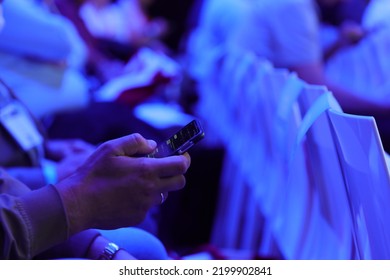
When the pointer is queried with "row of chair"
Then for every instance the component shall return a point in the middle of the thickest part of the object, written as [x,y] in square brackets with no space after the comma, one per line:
[301,179]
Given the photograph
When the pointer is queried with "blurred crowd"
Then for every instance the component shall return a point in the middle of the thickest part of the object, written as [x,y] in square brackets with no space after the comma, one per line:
[81,68]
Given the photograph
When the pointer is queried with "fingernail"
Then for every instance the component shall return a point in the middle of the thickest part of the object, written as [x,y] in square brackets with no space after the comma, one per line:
[152,144]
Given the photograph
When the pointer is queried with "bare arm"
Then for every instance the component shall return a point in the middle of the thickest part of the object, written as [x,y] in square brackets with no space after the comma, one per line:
[350,102]
[349,33]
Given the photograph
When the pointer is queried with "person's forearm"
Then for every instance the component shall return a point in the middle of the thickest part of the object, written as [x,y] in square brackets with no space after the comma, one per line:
[31,223]
[351,102]
[333,49]
[354,103]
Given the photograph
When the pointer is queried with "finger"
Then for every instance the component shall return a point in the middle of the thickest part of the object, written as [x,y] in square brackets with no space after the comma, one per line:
[130,145]
[173,183]
[188,157]
[78,145]
[170,166]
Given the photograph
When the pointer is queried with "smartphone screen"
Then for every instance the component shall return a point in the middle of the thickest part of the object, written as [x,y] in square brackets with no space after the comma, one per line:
[180,142]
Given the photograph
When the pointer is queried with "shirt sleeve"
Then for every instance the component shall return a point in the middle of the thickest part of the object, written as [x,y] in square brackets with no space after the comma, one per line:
[30,30]
[30,223]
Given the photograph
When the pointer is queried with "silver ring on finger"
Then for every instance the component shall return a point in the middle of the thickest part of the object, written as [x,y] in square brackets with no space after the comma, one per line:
[163,198]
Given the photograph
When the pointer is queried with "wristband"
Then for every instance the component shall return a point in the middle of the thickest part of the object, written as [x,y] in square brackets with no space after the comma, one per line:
[108,252]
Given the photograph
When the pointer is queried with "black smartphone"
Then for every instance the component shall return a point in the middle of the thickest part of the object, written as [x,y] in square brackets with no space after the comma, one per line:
[179,142]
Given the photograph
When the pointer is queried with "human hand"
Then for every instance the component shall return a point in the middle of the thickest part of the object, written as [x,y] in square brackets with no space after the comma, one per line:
[113,189]
[59,149]
[69,164]
[68,155]
[156,28]
[351,33]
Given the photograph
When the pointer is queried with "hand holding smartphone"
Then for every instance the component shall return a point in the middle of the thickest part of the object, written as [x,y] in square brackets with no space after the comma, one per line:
[179,142]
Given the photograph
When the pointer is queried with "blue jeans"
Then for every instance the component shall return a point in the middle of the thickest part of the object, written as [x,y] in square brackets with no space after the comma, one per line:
[139,243]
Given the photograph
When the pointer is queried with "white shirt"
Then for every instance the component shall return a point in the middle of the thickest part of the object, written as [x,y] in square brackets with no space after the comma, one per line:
[31,30]
[286,32]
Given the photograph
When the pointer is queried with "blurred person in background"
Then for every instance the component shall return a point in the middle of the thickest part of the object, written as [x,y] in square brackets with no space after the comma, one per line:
[113,32]
[288,34]
[124,21]
[41,58]
[85,188]
[46,59]
[55,64]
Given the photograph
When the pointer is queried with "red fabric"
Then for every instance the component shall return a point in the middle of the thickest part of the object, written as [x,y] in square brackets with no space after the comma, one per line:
[137,95]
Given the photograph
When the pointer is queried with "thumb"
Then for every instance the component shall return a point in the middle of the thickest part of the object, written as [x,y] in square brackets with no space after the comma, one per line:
[132,144]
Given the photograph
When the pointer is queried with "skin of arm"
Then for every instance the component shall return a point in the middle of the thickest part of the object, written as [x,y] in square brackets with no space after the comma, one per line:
[349,33]
[313,73]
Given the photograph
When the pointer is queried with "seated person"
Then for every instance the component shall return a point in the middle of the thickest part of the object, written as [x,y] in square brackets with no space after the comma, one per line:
[122,21]
[24,154]
[48,222]
[287,33]
[41,56]
[52,74]
[110,190]
[108,52]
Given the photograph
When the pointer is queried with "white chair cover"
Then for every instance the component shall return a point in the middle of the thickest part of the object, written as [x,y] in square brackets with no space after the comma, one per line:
[367,180]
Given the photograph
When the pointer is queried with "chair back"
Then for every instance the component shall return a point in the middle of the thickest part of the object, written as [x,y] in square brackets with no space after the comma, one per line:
[367,182]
